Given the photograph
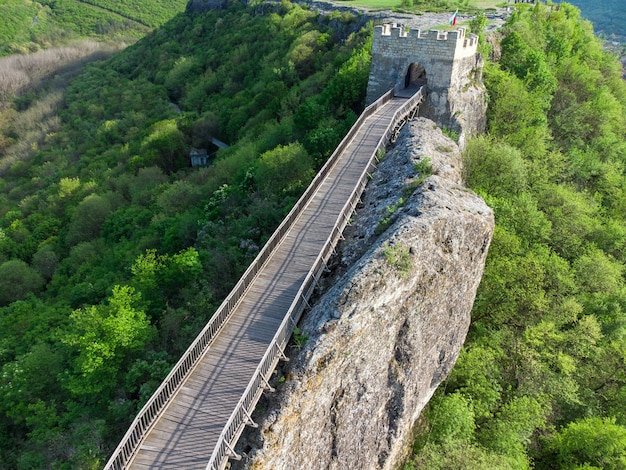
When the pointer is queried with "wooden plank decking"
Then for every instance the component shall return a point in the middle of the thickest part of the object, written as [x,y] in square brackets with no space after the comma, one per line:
[187,431]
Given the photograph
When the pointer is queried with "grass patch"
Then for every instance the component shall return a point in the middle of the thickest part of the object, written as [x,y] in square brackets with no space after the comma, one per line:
[390,211]
[424,169]
[375,4]
[454,135]
[418,6]
[399,257]
[299,338]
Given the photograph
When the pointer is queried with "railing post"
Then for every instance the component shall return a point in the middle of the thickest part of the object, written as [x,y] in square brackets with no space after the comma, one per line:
[250,422]
[268,387]
[233,455]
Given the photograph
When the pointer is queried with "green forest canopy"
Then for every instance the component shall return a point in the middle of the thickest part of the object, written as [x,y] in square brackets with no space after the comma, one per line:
[541,380]
[113,252]
[608,16]
[104,228]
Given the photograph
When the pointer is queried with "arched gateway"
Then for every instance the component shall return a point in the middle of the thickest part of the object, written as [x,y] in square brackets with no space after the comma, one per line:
[415,76]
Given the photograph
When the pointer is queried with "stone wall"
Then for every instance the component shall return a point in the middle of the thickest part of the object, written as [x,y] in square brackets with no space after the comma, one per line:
[462,106]
[453,73]
[395,48]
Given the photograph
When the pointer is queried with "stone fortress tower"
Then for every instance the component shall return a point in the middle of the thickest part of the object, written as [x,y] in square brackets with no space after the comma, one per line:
[445,62]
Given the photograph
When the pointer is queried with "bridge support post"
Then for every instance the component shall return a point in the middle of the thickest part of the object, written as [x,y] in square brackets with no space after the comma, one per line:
[233,455]
[267,384]
[293,322]
[339,236]
[250,422]
[282,356]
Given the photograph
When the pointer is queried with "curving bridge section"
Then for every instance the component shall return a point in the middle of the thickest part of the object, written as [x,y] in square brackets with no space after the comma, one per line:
[196,416]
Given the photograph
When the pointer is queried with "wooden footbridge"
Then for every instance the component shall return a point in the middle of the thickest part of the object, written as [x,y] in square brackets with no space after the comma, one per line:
[196,416]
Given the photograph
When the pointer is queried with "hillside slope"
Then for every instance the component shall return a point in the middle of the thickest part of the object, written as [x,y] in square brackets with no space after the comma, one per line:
[27,25]
[113,251]
[608,16]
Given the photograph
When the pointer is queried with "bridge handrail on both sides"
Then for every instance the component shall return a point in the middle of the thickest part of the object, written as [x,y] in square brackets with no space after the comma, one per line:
[148,415]
[241,416]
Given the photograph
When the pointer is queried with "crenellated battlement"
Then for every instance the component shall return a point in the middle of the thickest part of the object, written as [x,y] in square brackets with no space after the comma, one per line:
[391,29]
[391,39]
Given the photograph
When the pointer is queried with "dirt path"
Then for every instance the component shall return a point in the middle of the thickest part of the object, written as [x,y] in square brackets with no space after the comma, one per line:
[108,10]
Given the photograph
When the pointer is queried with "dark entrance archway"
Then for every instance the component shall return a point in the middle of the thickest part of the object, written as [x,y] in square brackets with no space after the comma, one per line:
[415,76]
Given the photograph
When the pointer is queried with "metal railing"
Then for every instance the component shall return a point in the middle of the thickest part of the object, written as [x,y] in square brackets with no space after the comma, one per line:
[241,415]
[150,412]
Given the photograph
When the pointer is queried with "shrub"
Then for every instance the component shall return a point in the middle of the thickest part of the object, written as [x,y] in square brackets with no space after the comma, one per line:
[16,280]
[398,256]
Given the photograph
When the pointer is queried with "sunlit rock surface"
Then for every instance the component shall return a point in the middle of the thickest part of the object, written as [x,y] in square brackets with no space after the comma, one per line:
[387,330]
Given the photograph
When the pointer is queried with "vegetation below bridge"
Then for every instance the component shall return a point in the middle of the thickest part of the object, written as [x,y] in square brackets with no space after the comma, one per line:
[113,251]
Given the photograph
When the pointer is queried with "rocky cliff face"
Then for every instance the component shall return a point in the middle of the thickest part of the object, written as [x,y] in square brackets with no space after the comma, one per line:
[391,323]
[462,106]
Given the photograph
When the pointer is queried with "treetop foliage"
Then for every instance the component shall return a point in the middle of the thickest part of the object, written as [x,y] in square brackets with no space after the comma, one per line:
[541,380]
[113,251]
[608,16]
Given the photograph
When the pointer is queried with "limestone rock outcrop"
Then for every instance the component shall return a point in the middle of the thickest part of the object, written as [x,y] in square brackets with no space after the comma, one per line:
[390,325]
[462,106]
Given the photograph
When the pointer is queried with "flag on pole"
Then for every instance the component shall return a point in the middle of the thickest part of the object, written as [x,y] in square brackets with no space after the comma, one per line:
[453,18]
